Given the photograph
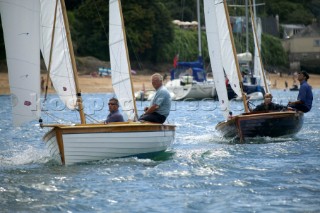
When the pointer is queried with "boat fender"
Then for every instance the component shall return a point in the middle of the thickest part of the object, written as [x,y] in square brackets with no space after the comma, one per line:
[187,79]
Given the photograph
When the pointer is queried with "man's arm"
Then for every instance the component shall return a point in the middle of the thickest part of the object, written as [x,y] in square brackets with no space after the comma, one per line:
[149,110]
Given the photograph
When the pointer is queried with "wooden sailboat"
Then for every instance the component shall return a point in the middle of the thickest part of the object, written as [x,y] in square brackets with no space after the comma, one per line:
[224,62]
[69,144]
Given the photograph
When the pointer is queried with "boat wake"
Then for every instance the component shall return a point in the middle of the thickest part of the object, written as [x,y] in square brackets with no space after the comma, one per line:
[29,155]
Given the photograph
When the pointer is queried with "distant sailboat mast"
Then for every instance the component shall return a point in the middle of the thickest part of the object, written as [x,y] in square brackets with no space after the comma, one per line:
[199,28]
[256,41]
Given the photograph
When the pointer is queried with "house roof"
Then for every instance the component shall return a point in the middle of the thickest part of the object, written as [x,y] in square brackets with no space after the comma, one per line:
[312,30]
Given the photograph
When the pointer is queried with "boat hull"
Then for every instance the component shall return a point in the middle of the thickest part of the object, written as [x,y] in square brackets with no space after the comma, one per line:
[265,124]
[197,90]
[83,143]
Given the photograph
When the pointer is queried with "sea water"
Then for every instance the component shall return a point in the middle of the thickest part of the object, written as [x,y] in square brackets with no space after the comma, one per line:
[201,172]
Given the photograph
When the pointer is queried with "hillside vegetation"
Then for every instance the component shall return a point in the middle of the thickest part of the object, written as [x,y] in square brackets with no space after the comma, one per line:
[153,39]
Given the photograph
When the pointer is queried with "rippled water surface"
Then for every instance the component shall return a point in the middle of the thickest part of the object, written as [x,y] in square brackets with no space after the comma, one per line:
[201,172]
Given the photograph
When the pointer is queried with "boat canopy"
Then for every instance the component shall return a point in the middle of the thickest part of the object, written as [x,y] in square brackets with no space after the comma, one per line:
[193,68]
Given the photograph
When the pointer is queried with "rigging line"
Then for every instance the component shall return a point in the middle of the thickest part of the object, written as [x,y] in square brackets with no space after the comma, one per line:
[92,118]
[100,18]
[51,49]
[135,54]
[55,118]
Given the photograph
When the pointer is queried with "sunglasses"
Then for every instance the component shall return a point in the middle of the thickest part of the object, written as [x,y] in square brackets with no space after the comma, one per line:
[112,104]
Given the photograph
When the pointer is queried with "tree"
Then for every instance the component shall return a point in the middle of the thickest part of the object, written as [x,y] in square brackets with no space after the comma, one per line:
[148,28]
[294,11]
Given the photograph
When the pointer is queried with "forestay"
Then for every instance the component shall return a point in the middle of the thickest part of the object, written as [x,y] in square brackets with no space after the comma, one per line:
[21,36]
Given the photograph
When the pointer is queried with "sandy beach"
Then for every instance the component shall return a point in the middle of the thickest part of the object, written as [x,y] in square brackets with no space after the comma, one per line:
[91,84]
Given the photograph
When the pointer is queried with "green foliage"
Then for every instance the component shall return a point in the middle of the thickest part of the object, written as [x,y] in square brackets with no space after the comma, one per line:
[290,11]
[152,37]
[185,43]
[273,53]
[148,28]
[89,31]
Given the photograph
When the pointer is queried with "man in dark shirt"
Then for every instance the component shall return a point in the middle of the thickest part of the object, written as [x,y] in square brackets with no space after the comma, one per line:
[305,96]
[114,115]
[267,105]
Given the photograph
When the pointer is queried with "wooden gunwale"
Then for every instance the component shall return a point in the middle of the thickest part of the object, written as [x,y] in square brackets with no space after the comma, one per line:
[235,121]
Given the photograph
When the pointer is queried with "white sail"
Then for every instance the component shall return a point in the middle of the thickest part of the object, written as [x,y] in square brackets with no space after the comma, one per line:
[258,68]
[215,56]
[119,60]
[228,59]
[20,22]
[61,73]
[257,65]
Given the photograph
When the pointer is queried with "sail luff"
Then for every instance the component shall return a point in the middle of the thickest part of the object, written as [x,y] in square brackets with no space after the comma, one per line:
[215,56]
[199,29]
[119,60]
[20,22]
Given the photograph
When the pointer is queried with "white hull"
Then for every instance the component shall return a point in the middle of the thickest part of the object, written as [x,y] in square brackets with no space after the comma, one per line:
[195,90]
[77,144]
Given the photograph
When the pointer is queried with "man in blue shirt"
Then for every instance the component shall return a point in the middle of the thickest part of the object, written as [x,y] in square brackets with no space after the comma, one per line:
[305,96]
[114,115]
[160,105]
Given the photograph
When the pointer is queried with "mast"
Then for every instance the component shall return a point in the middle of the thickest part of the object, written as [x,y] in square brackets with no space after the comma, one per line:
[51,48]
[247,28]
[235,57]
[256,38]
[73,62]
[199,28]
[129,65]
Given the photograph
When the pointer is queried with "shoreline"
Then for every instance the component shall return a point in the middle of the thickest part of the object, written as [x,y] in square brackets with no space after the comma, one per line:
[91,84]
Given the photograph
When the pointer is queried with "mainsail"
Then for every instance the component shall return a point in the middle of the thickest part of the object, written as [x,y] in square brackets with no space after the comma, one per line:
[61,72]
[120,67]
[258,67]
[228,60]
[215,56]
[21,36]
[257,47]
